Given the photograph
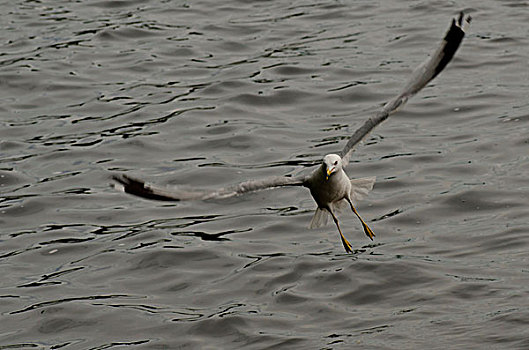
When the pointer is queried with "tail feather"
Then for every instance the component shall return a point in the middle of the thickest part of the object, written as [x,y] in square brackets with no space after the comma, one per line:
[361,187]
[339,207]
[320,218]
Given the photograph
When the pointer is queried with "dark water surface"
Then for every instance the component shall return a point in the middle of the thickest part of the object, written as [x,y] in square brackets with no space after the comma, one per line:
[210,93]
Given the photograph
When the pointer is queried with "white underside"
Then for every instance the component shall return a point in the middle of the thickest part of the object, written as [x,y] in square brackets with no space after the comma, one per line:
[359,190]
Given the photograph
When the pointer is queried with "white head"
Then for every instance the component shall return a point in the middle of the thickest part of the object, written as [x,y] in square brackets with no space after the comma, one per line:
[331,164]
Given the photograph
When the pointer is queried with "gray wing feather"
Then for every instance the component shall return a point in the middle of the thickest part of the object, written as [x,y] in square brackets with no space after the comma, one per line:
[421,76]
[140,188]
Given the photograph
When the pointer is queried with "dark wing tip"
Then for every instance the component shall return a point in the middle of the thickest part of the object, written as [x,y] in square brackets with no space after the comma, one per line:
[453,39]
[462,17]
[128,182]
[139,188]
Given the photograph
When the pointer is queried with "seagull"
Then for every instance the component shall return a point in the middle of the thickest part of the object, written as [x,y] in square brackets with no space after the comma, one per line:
[329,185]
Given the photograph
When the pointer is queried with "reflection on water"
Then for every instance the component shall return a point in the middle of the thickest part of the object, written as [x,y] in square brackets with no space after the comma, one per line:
[213,93]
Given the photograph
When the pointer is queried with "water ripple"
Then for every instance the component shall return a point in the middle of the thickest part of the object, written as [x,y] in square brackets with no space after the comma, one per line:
[213,93]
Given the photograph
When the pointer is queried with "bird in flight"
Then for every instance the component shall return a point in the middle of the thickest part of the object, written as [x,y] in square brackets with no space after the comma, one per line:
[329,185]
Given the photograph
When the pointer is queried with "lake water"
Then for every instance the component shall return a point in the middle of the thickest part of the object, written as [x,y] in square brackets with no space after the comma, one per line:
[211,93]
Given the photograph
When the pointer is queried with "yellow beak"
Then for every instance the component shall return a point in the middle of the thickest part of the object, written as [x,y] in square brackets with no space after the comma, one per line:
[329,172]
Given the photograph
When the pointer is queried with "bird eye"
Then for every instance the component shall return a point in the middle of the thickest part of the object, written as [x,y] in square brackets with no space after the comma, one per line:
[336,163]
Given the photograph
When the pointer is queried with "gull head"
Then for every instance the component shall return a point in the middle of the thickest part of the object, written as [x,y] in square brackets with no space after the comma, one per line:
[331,164]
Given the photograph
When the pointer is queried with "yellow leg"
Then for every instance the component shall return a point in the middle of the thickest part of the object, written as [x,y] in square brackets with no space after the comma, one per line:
[345,242]
[369,233]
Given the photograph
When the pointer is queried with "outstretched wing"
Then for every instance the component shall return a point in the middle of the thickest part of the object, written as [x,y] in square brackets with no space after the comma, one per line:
[421,76]
[141,189]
